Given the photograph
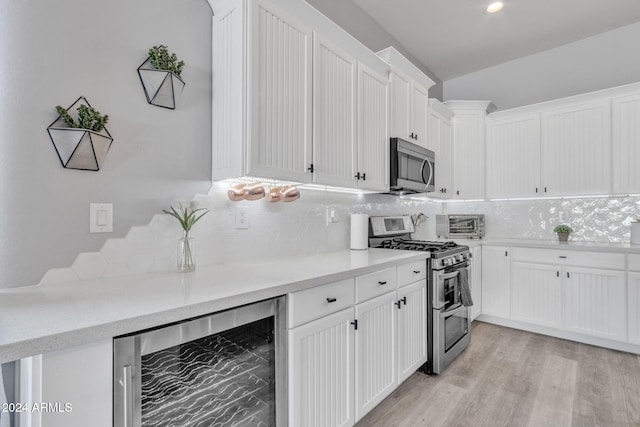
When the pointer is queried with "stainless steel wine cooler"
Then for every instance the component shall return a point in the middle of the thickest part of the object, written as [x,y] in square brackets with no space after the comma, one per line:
[224,369]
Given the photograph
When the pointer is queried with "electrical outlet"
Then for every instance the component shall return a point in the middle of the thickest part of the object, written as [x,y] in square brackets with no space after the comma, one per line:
[241,218]
[330,215]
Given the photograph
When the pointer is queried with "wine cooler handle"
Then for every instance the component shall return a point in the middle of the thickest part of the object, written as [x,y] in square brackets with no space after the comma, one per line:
[127,381]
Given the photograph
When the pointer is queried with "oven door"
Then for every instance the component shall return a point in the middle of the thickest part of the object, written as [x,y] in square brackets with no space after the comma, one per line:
[446,287]
[451,329]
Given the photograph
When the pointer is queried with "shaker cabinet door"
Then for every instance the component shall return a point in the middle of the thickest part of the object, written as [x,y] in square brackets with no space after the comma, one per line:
[412,329]
[626,150]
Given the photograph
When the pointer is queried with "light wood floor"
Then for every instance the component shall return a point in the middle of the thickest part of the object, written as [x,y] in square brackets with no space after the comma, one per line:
[514,378]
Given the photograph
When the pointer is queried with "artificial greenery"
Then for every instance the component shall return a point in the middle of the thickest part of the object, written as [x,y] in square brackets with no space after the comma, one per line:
[161,60]
[88,118]
[186,216]
[563,229]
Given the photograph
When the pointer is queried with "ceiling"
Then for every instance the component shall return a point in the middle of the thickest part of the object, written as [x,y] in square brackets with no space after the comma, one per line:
[457,37]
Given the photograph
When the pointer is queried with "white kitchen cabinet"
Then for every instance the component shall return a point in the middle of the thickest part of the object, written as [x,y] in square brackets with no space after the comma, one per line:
[476,281]
[334,114]
[375,352]
[536,294]
[261,123]
[373,130]
[412,328]
[409,98]
[513,156]
[576,149]
[625,149]
[321,372]
[496,286]
[633,283]
[440,142]
[595,302]
[468,148]
[78,380]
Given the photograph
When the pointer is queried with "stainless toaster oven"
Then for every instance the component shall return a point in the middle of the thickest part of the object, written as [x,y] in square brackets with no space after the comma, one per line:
[461,226]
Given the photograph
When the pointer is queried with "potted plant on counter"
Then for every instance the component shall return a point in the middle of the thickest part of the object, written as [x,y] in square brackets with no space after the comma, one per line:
[187,217]
[563,232]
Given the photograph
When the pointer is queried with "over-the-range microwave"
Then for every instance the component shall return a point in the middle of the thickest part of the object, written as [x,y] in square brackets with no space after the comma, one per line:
[412,168]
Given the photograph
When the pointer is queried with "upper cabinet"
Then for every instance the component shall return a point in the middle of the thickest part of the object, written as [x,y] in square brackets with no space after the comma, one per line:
[513,156]
[469,148]
[440,138]
[296,98]
[625,139]
[576,149]
[409,98]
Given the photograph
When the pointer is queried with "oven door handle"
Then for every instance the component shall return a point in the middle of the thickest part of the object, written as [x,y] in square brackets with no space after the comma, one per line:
[453,311]
[448,275]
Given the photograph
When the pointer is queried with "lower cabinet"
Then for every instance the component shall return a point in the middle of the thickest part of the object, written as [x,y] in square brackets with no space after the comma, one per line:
[536,294]
[633,283]
[595,302]
[496,281]
[476,282]
[321,372]
[376,373]
[343,364]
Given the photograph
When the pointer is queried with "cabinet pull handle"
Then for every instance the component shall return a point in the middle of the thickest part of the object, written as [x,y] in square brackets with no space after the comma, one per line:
[127,392]
[458,193]
[545,189]
[562,256]
[416,271]
[310,168]
[330,300]
[357,176]
[557,273]
[382,282]
[506,253]
[364,176]
[445,191]
[355,324]
[404,300]
[398,304]
[568,276]
[536,190]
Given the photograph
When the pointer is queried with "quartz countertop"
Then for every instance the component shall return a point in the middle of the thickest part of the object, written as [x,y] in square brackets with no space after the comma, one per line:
[39,319]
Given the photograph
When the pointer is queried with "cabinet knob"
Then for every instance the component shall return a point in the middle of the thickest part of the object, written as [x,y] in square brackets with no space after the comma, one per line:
[330,300]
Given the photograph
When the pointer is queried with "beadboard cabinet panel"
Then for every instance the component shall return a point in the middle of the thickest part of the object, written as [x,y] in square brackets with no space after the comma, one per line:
[513,157]
[536,294]
[496,281]
[280,94]
[373,130]
[626,149]
[440,142]
[595,302]
[334,114]
[576,150]
[412,329]
[633,283]
[400,105]
[321,372]
[419,103]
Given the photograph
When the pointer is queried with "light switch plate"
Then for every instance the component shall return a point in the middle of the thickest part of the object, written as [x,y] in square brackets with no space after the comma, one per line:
[100,218]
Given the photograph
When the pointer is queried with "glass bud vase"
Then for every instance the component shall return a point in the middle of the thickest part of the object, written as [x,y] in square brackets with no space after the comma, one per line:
[186,257]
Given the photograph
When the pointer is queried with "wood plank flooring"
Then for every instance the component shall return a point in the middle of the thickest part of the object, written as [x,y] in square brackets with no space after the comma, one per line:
[508,377]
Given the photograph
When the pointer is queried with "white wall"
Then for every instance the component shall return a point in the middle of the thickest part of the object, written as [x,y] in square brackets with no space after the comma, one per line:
[55,51]
[599,62]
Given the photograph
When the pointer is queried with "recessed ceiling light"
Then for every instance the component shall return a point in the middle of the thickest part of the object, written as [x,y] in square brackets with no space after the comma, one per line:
[495,7]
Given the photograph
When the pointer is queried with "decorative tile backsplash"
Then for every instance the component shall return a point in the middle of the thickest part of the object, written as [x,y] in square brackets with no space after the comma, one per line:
[603,219]
[275,229]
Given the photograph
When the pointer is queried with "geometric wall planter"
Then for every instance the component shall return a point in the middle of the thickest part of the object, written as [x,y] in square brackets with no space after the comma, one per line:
[79,148]
[161,87]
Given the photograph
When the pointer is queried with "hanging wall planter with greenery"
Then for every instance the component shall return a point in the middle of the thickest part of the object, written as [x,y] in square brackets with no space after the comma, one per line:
[81,142]
[160,77]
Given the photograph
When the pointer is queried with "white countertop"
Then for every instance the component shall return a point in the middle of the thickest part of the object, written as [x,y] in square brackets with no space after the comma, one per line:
[555,244]
[39,319]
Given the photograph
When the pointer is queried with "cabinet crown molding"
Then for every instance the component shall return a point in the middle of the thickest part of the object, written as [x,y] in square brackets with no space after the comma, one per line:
[399,62]
[486,106]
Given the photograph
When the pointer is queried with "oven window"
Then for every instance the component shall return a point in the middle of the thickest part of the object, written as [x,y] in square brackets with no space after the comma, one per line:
[411,168]
[222,379]
[451,293]
[455,328]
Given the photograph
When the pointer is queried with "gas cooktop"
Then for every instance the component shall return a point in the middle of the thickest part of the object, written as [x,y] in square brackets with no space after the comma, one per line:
[416,245]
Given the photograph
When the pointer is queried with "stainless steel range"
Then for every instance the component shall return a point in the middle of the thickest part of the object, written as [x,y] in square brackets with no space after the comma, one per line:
[448,287]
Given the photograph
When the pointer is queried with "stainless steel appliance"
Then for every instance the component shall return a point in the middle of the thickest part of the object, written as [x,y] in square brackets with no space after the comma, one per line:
[448,331]
[227,368]
[412,168]
[467,226]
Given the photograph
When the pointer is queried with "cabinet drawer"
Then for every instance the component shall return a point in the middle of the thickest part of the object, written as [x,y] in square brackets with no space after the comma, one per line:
[374,284]
[567,257]
[311,304]
[412,272]
[634,262]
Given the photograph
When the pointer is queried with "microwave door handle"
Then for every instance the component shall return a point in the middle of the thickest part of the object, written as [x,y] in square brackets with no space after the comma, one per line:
[424,163]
